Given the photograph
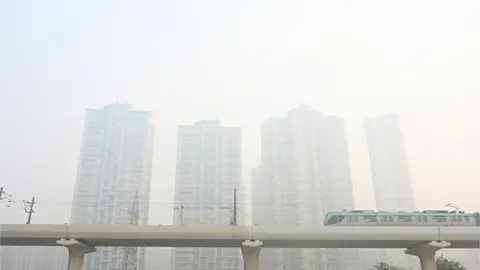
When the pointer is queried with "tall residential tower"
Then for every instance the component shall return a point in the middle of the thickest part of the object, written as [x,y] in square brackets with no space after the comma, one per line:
[209,169]
[391,178]
[389,165]
[304,174]
[114,171]
[392,183]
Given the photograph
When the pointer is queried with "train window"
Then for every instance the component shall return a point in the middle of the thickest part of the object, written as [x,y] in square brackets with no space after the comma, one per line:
[370,218]
[390,218]
[460,219]
[467,219]
[335,220]
[385,219]
[440,219]
[454,219]
[355,218]
[405,218]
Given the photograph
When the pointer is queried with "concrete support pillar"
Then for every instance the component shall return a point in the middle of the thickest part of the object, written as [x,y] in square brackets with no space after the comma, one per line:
[251,252]
[426,253]
[76,252]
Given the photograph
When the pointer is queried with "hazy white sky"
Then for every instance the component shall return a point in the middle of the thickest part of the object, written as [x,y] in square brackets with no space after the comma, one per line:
[240,62]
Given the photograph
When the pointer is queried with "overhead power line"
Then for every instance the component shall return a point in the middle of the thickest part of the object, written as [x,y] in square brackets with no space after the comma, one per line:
[193,204]
[28,206]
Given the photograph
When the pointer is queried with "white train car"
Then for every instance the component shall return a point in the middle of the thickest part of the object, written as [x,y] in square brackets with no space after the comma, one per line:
[436,218]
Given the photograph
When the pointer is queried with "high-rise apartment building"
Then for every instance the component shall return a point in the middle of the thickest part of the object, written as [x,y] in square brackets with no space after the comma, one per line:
[304,174]
[391,178]
[32,258]
[389,165]
[209,169]
[158,258]
[393,185]
[114,168]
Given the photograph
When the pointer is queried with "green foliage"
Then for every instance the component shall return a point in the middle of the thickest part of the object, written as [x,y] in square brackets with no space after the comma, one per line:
[386,266]
[442,264]
[446,264]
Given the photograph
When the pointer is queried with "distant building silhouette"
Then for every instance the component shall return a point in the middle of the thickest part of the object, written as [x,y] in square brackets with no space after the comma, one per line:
[159,258]
[391,178]
[304,174]
[389,165]
[33,258]
[209,168]
[115,164]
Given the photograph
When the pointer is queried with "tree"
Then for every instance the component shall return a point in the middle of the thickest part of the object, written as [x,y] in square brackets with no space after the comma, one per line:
[442,264]
[445,264]
[386,266]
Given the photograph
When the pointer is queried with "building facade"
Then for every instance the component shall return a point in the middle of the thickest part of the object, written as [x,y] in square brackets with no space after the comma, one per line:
[159,258]
[391,178]
[304,174]
[208,170]
[113,178]
[389,165]
[32,258]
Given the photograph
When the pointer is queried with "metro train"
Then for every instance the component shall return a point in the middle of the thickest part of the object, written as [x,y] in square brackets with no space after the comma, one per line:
[436,218]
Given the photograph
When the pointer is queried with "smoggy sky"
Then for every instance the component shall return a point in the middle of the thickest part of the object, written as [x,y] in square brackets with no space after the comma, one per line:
[240,62]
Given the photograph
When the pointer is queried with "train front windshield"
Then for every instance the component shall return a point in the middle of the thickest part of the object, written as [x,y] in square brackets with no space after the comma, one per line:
[334,220]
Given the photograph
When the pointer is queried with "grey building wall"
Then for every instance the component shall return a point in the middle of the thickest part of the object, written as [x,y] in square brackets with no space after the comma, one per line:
[33,258]
[304,174]
[337,188]
[391,178]
[159,259]
[115,164]
[389,165]
[209,168]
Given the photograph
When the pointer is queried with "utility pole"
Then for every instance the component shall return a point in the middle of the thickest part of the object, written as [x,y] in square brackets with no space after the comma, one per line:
[234,207]
[7,196]
[130,260]
[180,213]
[233,210]
[28,206]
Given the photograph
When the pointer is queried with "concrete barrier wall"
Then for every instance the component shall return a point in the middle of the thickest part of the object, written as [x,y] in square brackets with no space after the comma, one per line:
[233,236]
[467,237]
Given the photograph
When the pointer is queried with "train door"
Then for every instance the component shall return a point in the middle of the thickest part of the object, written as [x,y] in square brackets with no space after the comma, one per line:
[388,220]
[424,220]
[382,220]
[452,221]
